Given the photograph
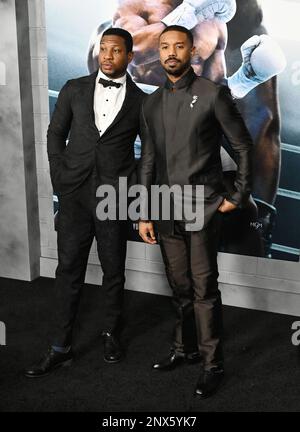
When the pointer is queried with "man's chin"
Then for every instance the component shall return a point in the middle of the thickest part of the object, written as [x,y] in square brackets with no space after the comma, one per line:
[113,74]
[110,71]
[175,72]
[109,74]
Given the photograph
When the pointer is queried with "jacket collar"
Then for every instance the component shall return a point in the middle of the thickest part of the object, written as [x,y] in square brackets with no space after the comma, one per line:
[130,99]
[185,81]
[121,80]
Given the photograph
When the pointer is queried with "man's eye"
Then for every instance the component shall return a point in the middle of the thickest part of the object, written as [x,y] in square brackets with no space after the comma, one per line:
[117,51]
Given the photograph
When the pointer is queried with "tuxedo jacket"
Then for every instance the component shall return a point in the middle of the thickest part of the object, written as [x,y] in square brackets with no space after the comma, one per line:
[192,156]
[73,118]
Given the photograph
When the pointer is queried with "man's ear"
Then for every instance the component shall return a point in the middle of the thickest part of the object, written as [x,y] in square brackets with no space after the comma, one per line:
[130,56]
[193,49]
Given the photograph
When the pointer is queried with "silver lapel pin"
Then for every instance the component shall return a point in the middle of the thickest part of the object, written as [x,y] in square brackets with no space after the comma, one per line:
[195,98]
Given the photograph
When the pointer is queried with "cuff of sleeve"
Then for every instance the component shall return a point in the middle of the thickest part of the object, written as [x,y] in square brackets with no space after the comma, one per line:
[240,85]
[184,15]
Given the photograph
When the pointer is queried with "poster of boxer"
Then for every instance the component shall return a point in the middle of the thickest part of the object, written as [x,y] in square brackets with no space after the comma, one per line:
[245,44]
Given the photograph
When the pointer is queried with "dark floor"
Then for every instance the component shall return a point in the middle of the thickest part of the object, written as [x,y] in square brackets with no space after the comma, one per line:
[262,365]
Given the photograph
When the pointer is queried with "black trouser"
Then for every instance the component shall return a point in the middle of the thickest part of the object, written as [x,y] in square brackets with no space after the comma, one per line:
[77,226]
[191,266]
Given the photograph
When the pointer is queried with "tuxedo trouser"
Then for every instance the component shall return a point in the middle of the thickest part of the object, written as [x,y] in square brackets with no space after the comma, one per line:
[77,226]
[190,260]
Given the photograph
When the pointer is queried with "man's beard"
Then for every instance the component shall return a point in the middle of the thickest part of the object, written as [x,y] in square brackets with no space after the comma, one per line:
[114,73]
[177,72]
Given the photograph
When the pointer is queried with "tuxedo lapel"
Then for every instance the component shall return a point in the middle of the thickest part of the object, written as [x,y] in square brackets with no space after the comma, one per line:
[156,114]
[183,120]
[89,91]
[88,95]
[127,104]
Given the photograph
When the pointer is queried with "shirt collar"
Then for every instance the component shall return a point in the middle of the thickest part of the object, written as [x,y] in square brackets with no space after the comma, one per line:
[184,81]
[121,80]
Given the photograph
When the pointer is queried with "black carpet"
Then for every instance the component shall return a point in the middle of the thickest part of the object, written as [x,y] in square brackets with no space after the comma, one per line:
[262,365]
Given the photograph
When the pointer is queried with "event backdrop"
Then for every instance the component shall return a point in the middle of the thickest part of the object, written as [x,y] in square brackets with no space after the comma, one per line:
[270,110]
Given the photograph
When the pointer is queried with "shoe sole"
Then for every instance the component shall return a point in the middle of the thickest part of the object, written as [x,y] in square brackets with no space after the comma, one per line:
[64,364]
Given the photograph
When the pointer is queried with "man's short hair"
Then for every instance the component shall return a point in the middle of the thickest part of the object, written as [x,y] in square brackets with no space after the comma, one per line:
[123,34]
[179,29]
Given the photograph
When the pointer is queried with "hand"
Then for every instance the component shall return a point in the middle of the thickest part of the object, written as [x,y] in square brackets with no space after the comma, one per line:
[226,206]
[143,20]
[146,231]
[146,42]
[262,59]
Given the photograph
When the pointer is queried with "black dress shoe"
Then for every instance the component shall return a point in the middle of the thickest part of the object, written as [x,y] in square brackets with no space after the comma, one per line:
[175,359]
[112,348]
[209,382]
[50,362]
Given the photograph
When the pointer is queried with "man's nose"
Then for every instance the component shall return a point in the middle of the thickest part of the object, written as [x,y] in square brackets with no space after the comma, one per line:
[172,51]
[108,54]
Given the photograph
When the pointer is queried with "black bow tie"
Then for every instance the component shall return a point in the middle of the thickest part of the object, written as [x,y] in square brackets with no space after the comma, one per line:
[109,83]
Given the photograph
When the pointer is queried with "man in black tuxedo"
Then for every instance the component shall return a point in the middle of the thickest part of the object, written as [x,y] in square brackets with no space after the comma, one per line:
[182,125]
[100,115]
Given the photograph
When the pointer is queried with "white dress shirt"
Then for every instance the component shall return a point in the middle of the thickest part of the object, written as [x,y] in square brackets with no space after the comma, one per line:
[108,101]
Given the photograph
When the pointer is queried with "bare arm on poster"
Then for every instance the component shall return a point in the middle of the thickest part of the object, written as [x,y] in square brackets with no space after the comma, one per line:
[262,56]
[143,20]
[146,20]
